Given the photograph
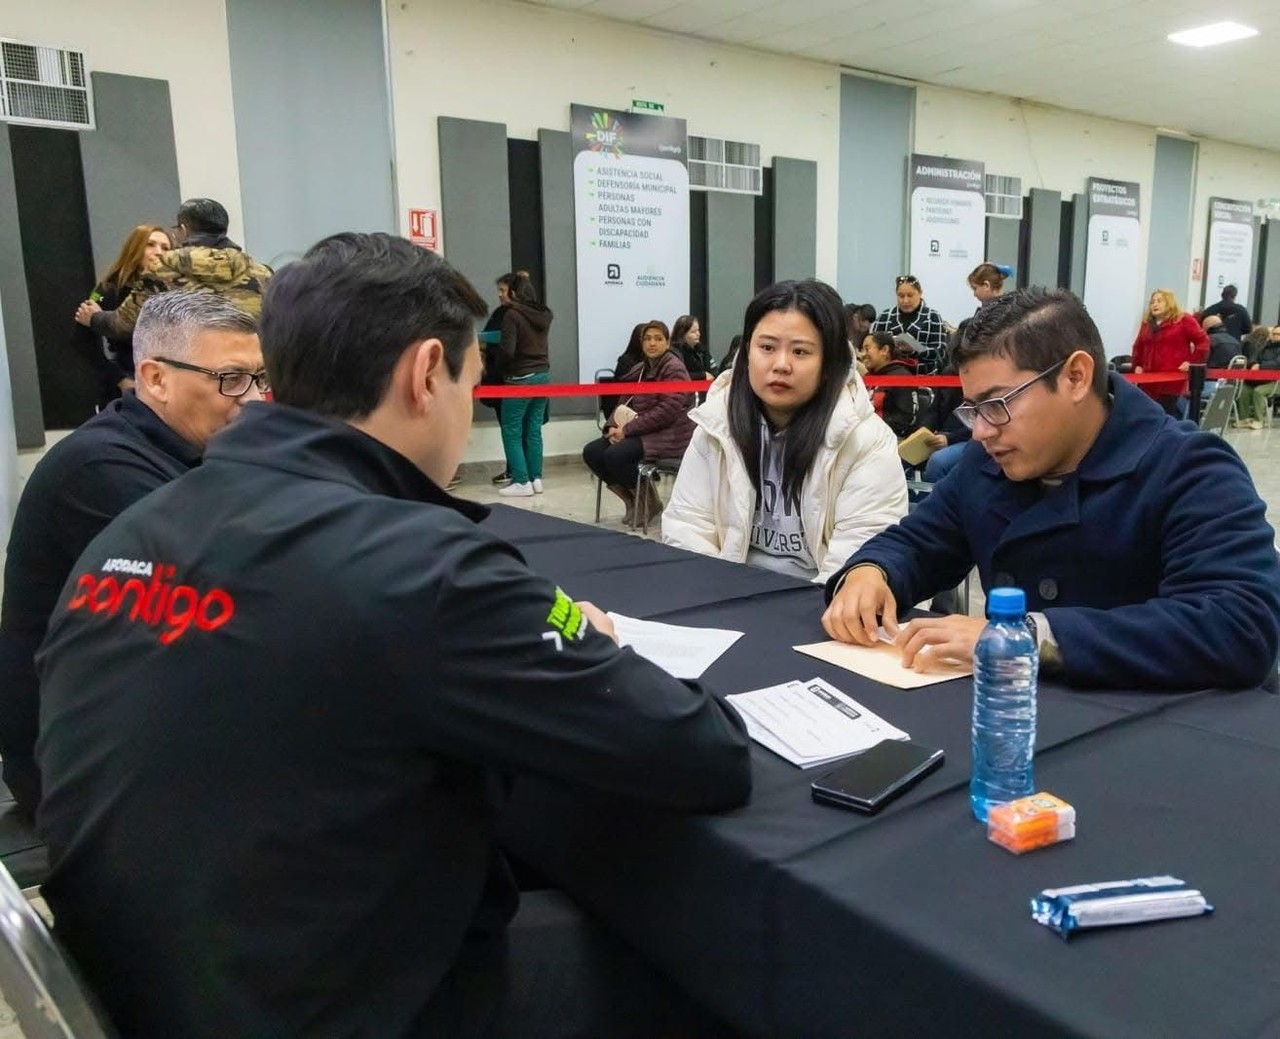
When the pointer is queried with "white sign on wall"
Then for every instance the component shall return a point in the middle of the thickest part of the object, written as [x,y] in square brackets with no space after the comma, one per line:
[1113,276]
[631,217]
[948,231]
[1229,254]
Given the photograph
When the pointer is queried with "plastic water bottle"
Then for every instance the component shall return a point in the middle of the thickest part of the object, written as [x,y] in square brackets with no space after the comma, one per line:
[1006,662]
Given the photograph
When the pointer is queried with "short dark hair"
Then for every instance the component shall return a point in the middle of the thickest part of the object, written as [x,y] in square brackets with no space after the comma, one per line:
[1229,292]
[203,216]
[520,287]
[821,304]
[335,323]
[1035,328]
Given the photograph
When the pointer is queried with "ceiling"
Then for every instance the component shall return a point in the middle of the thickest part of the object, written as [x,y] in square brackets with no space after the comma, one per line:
[1106,58]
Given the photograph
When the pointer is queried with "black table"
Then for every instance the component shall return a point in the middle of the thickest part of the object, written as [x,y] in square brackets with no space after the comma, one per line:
[794,919]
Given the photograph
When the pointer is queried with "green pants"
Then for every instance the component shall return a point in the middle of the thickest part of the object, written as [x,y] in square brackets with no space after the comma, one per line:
[1254,399]
[522,429]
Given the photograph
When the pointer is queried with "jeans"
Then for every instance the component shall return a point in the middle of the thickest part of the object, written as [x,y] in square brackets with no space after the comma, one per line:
[942,461]
[521,420]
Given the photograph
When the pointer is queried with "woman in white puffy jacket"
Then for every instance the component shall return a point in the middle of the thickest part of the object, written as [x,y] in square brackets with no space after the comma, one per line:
[789,467]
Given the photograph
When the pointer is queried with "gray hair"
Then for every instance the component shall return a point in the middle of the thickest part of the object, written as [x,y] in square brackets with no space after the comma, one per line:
[170,321]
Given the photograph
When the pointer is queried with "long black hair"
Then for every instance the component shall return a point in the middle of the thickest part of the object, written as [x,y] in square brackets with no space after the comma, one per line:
[821,304]
[681,328]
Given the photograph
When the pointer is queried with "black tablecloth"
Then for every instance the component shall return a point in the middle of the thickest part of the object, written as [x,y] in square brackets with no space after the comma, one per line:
[794,919]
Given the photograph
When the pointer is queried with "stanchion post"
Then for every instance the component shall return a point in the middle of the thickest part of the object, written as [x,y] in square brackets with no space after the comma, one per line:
[1196,389]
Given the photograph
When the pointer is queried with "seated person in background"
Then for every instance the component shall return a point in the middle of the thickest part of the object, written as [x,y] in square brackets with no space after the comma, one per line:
[1255,397]
[858,318]
[901,407]
[197,362]
[270,805]
[726,362]
[204,259]
[1168,340]
[917,319]
[789,467]
[987,282]
[686,342]
[1222,345]
[660,427]
[950,435]
[1095,503]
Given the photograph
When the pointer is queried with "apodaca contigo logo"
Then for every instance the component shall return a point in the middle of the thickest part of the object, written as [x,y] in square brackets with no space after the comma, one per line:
[156,602]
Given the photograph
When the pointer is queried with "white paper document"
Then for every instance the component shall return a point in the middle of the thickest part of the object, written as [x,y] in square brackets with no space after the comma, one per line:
[680,651]
[811,723]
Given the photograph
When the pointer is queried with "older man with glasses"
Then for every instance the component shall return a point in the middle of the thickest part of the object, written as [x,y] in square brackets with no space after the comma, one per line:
[198,362]
[1141,543]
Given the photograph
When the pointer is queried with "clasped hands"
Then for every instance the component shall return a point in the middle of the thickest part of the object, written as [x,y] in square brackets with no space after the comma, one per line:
[616,434]
[865,602]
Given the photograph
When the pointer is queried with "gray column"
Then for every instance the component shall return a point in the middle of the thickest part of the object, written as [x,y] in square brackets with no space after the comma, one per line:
[313,121]
[1079,242]
[475,208]
[19,342]
[795,218]
[130,162]
[1044,238]
[731,236]
[1002,248]
[1172,196]
[875,142]
[560,266]
[1266,310]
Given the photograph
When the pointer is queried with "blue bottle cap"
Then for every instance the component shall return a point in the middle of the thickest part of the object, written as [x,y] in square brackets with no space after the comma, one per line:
[1007,602]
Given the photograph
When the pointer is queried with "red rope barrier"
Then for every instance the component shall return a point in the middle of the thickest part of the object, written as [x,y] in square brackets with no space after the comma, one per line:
[629,389]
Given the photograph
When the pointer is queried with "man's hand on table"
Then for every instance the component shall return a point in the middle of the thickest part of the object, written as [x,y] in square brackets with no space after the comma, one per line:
[863,603]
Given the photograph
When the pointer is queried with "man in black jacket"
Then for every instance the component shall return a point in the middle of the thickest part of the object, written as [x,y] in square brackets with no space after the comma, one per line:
[135,444]
[1235,318]
[281,694]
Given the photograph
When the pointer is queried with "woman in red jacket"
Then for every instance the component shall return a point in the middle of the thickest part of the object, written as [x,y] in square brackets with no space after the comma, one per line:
[1168,341]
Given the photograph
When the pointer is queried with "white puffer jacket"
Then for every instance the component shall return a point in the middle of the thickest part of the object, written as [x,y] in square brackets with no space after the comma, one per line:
[854,490]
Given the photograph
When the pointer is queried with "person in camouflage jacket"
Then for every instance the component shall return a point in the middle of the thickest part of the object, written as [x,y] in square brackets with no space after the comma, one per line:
[206,259]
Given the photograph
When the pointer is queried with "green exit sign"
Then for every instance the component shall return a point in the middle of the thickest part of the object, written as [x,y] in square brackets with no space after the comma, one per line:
[647,106]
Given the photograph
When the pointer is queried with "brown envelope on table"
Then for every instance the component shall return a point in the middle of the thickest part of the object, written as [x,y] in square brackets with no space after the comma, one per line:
[883,663]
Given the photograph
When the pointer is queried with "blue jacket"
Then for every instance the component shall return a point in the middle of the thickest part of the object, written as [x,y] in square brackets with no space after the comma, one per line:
[1153,562]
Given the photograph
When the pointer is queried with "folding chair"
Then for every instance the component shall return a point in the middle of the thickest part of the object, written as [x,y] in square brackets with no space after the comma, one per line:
[1233,385]
[39,982]
[604,409]
[652,470]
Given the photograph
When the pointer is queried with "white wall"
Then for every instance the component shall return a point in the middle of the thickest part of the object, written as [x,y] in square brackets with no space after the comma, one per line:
[524,65]
[1047,147]
[1228,171]
[184,43]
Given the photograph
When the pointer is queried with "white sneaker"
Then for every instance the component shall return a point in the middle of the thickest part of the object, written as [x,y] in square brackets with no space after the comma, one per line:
[517,490]
[537,486]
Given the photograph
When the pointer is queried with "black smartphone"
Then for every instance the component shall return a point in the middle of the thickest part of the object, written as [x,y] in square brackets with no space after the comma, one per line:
[876,776]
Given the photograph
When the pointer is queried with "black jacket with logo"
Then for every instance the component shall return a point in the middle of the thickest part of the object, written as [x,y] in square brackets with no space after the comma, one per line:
[278,698]
[81,484]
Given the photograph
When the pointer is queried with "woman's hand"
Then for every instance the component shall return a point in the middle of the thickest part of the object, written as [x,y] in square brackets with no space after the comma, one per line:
[616,434]
[1184,366]
[1137,370]
[937,441]
[85,311]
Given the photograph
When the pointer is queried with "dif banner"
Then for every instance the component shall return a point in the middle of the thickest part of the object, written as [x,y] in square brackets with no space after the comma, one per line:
[1229,252]
[631,217]
[948,231]
[1113,277]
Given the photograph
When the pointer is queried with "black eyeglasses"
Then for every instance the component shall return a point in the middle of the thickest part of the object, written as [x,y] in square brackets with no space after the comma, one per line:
[995,411]
[907,279]
[230,384]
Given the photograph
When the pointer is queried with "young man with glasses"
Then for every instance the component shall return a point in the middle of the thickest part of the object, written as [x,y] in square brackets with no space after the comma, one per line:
[1140,542]
[198,362]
